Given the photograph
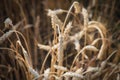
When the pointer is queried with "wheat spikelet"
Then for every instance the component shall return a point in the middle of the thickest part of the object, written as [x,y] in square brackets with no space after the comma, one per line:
[91,69]
[85,17]
[24,52]
[78,35]
[79,71]
[72,74]
[77,7]
[60,47]
[5,36]
[8,22]
[60,53]
[46,74]
[45,47]
[67,30]
[9,33]
[77,45]
[90,47]
[34,73]
[69,11]
[57,11]
[54,19]
[61,68]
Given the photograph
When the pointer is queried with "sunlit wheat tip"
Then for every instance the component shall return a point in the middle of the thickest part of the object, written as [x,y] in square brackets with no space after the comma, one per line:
[8,22]
[73,74]
[92,69]
[77,45]
[34,73]
[58,11]
[46,73]
[24,51]
[45,47]
[77,7]
[90,47]
[60,68]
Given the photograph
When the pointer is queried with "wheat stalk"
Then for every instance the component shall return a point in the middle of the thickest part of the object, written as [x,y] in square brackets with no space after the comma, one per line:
[102,31]
[89,47]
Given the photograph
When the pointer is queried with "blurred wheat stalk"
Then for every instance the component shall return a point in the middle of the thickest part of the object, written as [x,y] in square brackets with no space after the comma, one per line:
[18,65]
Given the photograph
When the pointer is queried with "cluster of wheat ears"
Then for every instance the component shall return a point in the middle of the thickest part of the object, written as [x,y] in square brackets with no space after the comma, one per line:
[92,59]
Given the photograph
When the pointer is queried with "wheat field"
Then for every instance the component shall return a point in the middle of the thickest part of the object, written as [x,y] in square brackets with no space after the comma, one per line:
[59,40]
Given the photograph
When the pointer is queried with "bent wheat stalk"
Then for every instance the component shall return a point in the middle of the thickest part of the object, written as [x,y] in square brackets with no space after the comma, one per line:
[89,47]
[102,31]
